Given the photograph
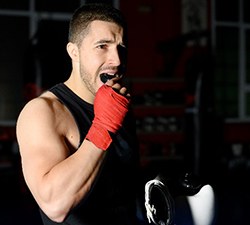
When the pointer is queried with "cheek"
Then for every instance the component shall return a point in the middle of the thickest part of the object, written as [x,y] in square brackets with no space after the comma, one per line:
[92,61]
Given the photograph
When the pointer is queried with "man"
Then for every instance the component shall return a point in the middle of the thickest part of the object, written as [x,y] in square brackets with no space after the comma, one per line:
[78,150]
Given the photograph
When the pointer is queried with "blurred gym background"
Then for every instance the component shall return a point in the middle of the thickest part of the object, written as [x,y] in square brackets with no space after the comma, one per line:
[189,74]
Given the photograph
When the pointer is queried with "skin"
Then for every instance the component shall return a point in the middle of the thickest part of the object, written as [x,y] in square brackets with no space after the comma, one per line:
[57,173]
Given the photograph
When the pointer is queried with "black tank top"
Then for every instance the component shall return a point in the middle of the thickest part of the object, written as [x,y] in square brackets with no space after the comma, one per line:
[111,200]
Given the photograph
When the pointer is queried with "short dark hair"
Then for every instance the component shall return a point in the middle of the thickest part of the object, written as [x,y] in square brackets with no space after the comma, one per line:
[84,15]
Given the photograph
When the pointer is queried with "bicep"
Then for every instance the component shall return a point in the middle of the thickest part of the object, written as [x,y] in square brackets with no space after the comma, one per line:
[41,146]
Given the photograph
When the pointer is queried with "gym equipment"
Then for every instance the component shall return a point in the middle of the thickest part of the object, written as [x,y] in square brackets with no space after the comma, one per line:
[160,194]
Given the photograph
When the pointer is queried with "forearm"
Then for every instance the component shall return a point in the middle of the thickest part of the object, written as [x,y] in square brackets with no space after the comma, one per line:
[67,183]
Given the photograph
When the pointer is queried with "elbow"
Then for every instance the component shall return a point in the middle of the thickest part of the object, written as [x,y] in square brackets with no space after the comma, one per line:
[55,212]
[56,208]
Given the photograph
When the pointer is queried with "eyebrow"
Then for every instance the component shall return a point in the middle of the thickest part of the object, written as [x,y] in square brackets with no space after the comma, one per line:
[104,41]
[108,41]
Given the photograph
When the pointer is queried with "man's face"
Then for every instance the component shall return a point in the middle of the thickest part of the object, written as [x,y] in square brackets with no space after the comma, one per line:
[101,51]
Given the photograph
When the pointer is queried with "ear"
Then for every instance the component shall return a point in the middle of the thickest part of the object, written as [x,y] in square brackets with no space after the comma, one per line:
[73,51]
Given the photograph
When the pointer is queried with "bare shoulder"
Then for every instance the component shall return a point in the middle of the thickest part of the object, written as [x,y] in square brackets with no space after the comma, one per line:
[40,123]
[44,105]
[40,111]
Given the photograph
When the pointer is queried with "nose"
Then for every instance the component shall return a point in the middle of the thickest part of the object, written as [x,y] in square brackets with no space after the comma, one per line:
[114,57]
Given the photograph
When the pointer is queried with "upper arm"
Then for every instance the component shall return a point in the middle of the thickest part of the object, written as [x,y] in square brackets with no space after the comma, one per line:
[40,142]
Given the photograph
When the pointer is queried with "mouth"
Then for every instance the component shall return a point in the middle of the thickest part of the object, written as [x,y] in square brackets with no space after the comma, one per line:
[105,76]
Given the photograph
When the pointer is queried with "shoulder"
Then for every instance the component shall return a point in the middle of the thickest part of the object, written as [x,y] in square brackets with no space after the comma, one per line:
[44,105]
[41,112]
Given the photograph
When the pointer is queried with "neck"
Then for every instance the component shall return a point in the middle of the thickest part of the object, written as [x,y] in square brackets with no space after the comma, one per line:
[79,89]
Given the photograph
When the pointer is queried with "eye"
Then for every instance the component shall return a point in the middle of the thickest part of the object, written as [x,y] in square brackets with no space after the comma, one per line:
[102,46]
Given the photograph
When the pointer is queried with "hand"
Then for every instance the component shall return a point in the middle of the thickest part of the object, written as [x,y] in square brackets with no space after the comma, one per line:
[114,83]
[110,109]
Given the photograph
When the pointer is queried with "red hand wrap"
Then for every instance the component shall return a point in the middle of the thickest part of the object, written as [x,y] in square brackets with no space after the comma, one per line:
[110,109]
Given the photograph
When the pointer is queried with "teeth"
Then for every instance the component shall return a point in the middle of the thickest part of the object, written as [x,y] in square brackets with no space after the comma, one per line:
[113,74]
